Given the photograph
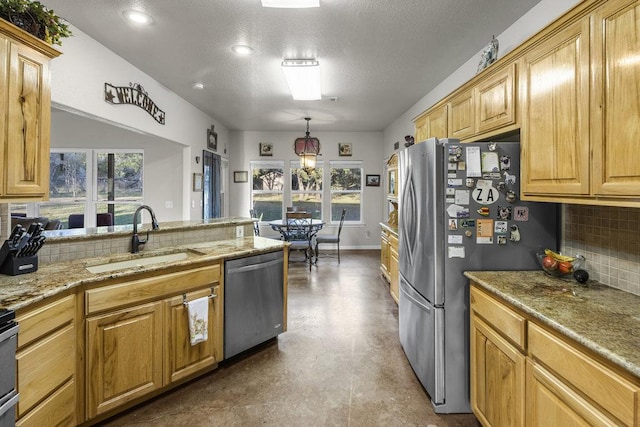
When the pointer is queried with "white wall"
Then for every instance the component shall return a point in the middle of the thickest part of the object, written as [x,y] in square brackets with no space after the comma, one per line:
[529,24]
[77,79]
[366,146]
[72,131]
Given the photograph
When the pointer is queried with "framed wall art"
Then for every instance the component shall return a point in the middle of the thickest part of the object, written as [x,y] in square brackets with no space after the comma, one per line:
[240,176]
[373,180]
[197,182]
[344,149]
[266,149]
[212,139]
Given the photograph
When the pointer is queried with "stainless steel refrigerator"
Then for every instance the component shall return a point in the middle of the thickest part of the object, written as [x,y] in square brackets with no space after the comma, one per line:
[460,210]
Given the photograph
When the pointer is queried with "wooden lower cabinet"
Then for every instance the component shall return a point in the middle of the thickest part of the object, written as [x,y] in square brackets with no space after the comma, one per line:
[182,359]
[384,254]
[497,377]
[389,260]
[46,360]
[137,336]
[124,356]
[550,402]
[525,374]
[394,277]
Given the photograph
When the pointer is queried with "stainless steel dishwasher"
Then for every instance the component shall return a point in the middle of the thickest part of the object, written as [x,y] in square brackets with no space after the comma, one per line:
[253,301]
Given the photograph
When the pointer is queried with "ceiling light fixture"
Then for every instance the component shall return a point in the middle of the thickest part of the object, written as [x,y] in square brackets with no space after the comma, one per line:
[137,17]
[198,86]
[303,78]
[242,50]
[307,148]
[291,3]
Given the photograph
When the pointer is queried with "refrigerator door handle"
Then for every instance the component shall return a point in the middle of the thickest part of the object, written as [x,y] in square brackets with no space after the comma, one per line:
[415,301]
[409,210]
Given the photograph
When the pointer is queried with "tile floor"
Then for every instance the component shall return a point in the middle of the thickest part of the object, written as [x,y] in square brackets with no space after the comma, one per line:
[339,364]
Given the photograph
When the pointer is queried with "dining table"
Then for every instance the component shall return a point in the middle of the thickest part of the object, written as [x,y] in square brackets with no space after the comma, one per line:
[281,226]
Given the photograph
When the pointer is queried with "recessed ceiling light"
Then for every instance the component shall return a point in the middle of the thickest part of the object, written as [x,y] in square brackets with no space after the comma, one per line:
[291,3]
[241,49]
[137,17]
[198,86]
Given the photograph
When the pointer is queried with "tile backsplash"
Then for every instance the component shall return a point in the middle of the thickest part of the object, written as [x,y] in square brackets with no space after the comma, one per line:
[609,239]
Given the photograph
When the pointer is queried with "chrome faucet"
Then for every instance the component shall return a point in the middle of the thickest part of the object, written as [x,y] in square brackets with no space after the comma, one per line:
[135,240]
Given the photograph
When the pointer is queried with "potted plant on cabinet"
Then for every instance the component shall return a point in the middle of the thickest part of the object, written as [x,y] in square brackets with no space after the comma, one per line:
[36,19]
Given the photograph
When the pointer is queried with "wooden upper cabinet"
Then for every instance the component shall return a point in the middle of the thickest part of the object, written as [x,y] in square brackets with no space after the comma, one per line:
[462,115]
[487,106]
[554,101]
[616,101]
[432,124]
[24,128]
[495,100]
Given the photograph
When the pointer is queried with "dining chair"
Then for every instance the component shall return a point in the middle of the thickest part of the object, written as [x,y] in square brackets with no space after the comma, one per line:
[331,238]
[256,221]
[299,234]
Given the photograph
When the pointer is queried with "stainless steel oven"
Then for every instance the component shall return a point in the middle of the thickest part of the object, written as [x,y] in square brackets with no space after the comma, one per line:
[8,345]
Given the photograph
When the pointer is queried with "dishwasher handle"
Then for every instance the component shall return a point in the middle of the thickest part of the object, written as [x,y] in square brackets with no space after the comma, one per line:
[252,267]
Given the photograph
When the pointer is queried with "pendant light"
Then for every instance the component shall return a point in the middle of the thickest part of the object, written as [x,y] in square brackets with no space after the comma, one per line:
[307,149]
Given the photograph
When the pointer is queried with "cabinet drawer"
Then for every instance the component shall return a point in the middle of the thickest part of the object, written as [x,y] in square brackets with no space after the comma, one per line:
[150,288]
[35,323]
[500,317]
[44,367]
[59,409]
[393,241]
[584,374]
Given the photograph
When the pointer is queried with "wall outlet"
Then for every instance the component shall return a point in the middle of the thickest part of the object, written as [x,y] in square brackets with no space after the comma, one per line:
[368,234]
[193,204]
[239,231]
[168,204]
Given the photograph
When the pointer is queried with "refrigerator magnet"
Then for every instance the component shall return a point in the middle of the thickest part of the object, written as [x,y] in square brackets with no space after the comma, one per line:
[501,227]
[454,239]
[521,213]
[490,162]
[454,182]
[502,240]
[484,231]
[453,224]
[505,163]
[504,212]
[514,236]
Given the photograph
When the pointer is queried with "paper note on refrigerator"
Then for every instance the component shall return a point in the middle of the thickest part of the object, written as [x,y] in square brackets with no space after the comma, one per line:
[474,164]
[456,251]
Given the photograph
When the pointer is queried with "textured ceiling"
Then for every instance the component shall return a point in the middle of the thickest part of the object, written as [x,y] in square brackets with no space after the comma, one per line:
[378,57]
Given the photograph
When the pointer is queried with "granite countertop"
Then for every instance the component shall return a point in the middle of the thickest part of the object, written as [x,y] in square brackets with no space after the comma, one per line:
[19,291]
[392,228]
[125,230]
[603,319]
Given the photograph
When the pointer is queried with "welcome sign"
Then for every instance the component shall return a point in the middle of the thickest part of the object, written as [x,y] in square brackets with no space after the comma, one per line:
[133,94]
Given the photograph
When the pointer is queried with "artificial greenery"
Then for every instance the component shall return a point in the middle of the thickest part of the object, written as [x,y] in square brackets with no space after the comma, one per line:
[36,19]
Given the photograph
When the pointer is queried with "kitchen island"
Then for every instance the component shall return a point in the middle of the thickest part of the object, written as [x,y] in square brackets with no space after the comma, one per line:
[99,335]
[572,350]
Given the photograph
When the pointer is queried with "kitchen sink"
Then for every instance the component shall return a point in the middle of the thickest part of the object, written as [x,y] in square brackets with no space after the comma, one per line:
[142,261]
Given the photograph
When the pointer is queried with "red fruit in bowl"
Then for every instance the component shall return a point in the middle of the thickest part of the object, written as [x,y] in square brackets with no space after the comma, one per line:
[549,263]
[565,267]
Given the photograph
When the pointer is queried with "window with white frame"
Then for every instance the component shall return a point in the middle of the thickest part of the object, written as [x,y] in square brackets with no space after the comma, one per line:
[306,188]
[91,182]
[267,189]
[346,190]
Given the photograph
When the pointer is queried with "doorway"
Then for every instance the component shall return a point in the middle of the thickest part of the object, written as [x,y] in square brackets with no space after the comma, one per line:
[211,185]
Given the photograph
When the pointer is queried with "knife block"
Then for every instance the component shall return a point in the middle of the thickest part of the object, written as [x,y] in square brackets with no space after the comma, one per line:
[13,266]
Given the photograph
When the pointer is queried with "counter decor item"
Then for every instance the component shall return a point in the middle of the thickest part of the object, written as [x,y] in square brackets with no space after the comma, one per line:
[561,266]
[18,254]
[489,54]
[36,19]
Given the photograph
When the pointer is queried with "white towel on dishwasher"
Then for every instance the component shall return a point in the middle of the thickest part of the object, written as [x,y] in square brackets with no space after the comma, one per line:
[198,319]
